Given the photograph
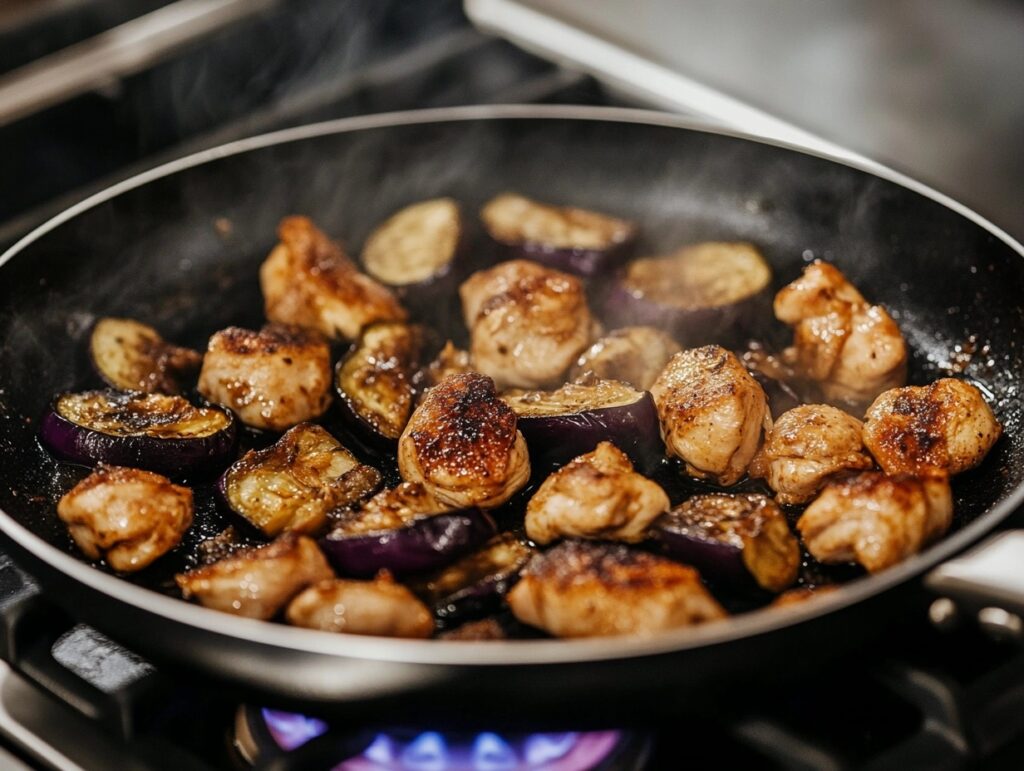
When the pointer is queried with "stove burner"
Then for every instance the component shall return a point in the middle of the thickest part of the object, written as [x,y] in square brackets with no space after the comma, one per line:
[263,733]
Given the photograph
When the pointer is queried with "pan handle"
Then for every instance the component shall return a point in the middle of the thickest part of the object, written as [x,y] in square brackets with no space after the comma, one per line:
[986,582]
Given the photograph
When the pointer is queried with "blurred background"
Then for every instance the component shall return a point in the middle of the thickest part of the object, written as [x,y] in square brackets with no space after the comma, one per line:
[92,91]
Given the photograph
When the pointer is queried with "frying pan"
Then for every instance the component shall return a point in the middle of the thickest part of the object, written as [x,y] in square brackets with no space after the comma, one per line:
[179,248]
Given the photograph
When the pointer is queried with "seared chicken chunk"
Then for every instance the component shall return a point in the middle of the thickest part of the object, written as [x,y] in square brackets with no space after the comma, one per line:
[588,589]
[806,445]
[476,290]
[257,583]
[127,516]
[946,425]
[527,334]
[597,495]
[462,444]
[378,607]
[272,379]
[308,280]
[712,412]
[852,348]
[877,520]
[636,355]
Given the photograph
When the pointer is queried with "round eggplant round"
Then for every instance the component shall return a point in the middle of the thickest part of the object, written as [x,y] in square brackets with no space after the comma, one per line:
[473,586]
[578,241]
[740,540]
[423,543]
[417,252]
[165,434]
[133,357]
[707,293]
[564,424]
[376,382]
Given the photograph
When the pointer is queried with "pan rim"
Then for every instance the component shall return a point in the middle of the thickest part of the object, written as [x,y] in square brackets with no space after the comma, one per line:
[513,652]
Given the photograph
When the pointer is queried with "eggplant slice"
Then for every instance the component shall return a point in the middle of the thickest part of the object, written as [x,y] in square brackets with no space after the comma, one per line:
[733,538]
[133,357]
[706,293]
[295,482]
[375,382]
[416,246]
[563,424]
[578,241]
[634,355]
[160,433]
[404,531]
[473,586]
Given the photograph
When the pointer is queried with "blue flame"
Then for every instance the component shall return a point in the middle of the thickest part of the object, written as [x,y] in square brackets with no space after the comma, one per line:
[492,753]
[431,751]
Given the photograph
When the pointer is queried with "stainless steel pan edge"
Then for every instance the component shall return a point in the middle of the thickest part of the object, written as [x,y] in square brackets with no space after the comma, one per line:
[467,654]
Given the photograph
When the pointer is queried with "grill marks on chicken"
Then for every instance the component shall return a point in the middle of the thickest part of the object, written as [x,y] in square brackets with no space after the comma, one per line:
[126,516]
[378,607]
[590,589]
[947,425]
[308,280]
[853,349]
[712,412]
[805,446]
[257,583]
[635,355]
[527,323]
[597,495]
[877,520]
[462,444]
[272,379]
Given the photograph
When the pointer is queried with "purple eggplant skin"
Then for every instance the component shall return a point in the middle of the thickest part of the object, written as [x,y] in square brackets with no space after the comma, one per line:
[585,243]
[197,457]
[401,349]
[473,586]
[740,540]
[554,440]
[426,543]
[585,263]
[725,325]
[711,292]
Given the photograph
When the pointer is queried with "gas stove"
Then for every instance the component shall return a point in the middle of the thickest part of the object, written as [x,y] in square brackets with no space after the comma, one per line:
[70,698]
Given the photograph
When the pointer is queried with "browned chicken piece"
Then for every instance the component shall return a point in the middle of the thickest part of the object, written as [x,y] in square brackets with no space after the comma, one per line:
[462,444]
[635,355]
[295,482]
[527,334]
[946,425]
[476,290]
[308,280]
[875,519]
[127,516]
[852,348]
[257,583]
[597,495]
[805,446]
[272,379]
[378,607]
[591,589]
[712,412]
[802,594]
